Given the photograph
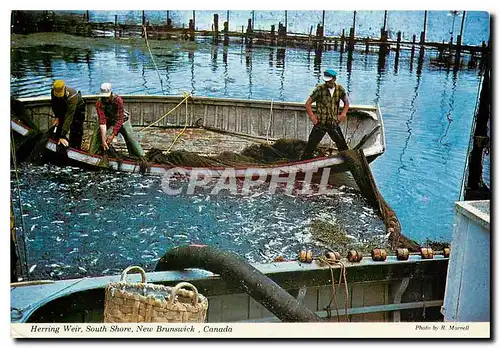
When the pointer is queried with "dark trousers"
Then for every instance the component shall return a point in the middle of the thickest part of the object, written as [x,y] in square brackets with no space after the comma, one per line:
[76,128]
[317,134]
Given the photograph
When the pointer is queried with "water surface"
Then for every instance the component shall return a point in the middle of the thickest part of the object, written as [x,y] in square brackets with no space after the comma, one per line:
[427,107]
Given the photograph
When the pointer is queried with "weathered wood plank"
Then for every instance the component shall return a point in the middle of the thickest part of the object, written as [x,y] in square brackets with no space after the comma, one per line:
[374,294]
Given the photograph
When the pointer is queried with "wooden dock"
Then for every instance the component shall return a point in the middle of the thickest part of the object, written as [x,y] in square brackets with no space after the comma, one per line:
[25,22]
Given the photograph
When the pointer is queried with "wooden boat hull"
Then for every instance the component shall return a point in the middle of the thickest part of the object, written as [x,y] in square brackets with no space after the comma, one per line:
[242,117]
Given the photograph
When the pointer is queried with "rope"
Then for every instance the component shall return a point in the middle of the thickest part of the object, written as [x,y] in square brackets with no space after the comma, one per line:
[25,258]
[185,124]
[151,54]
[186,96]
[342,275]
[270,119]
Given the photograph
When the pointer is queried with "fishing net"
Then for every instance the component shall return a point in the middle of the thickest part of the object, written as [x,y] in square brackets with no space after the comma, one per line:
[281,151]
[360,170]
[32,147]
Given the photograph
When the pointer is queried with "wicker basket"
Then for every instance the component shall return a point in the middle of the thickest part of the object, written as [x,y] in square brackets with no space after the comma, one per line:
[150,303]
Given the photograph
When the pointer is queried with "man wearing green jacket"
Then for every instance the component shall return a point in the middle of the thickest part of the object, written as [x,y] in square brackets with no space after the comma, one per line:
[68,107]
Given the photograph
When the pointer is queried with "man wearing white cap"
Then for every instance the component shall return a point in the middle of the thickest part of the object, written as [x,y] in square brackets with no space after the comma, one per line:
[326,119]
[113,119]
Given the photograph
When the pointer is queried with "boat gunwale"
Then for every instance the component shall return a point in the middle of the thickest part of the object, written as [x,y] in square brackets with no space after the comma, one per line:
[272,166]
[194,275]
[34,101]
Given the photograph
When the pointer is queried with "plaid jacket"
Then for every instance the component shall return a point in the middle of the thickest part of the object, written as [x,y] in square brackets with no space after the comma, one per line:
[111,113]
[327,106]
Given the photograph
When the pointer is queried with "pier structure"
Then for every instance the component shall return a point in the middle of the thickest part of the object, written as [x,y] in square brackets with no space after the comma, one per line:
[448,53]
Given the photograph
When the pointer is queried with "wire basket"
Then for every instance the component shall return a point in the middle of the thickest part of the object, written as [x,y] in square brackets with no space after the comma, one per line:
[152,303]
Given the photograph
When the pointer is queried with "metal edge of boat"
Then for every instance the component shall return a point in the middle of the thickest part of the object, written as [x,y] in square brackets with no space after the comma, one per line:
[391,275]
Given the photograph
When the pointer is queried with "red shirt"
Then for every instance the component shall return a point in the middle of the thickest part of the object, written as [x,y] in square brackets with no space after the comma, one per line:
[111,113]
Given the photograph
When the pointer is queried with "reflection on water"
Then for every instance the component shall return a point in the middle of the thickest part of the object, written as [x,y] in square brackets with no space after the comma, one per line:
[421,172]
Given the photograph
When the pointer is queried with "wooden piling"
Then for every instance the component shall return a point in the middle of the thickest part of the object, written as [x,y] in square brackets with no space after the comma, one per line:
[342,39]
[191,30]
[323,22]
[253,19]
[352,33]
[169,21]
[216,28]
[396,59]
[462,26]
[385,20]
[457,51]
[351,39]
[422,34]
[116,25]
[143,18]
[413,47]
[353,26]
[194,20]
[248,36]
[88,16]
[420,62]
[286,21]
[226,33]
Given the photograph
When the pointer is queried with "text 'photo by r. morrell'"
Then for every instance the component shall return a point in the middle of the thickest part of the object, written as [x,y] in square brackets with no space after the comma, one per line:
[213,174]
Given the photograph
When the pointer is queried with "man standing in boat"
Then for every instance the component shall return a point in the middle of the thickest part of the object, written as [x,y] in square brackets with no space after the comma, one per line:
[69,109]
[113,119]
[326,120]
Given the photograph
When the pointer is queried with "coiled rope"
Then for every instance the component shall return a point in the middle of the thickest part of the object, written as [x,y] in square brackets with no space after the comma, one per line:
[342,275]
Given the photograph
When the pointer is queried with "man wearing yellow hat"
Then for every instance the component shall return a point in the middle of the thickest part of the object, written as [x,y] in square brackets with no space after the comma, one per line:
[69,109]
[327,117]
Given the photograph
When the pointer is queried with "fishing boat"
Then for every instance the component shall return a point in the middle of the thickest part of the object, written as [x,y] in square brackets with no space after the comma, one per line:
[366,289]
[209,126]
[388,290]
[377,291]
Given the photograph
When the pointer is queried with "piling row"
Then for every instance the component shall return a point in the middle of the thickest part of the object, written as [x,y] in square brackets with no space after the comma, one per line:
[449,52]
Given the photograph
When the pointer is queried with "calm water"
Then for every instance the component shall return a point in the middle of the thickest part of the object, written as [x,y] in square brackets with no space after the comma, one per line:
[427,108]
